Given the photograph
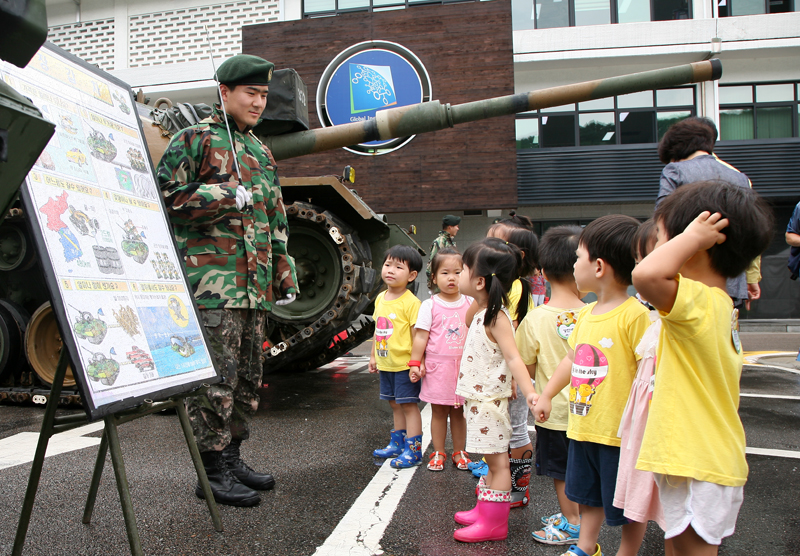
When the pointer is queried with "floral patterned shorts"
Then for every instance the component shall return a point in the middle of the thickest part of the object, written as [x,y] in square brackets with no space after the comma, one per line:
[488,426]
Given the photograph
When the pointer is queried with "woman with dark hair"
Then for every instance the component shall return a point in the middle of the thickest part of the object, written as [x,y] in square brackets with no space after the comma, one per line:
[687,149]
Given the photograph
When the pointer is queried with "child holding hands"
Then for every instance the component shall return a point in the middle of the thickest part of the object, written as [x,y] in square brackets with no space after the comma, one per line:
[599,366]
[489,361]
[440,335]
[395,314]
[694,441]
[542,341]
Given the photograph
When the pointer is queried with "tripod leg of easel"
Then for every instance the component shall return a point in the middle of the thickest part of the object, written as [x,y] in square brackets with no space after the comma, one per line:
[198,465]
[122,486]
[41,450]
[98,472]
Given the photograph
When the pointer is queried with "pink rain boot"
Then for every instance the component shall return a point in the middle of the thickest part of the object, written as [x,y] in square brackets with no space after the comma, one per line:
[492,524]
[470,516]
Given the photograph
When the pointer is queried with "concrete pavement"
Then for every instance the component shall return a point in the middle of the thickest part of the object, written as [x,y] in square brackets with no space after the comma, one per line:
[316,431]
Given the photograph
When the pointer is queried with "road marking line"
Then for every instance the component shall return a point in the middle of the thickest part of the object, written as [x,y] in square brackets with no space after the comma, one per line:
[771,396]
[21,448]
[771,452]
[361,529]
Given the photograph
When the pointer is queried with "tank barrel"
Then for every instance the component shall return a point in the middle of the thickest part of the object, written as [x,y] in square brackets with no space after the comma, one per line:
[432,116]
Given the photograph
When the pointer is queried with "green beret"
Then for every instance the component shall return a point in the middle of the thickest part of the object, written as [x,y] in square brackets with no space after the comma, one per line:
[450,220]
[244,69]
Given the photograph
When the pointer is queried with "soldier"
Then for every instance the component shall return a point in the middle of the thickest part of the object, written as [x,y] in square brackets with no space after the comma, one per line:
[229,221]
[444,239]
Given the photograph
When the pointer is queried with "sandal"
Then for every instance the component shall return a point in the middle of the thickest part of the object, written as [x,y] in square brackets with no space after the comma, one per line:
[461,460]
[437,461]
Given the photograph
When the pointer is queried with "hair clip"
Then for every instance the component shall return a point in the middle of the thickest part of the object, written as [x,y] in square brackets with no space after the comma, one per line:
[493,274]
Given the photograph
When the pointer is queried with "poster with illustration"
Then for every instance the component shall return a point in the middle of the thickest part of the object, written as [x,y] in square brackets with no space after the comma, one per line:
[125,308]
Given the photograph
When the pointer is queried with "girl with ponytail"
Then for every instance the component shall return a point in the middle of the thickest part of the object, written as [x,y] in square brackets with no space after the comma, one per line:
[490,359]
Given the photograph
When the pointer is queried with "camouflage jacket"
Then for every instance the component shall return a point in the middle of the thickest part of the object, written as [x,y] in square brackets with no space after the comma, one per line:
[442,240]
[234,260]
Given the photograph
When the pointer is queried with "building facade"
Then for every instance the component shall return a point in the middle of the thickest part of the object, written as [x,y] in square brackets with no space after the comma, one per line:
[573,163]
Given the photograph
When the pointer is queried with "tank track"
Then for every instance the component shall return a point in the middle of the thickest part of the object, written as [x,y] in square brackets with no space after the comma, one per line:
[310,347]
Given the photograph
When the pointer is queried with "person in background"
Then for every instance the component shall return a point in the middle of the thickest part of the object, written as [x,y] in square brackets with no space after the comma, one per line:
[446,238]
[793,240]
[687,149]
[226,209]
[542,339]
[636,492]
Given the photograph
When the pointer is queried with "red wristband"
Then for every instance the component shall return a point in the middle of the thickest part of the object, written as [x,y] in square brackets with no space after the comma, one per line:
[414,363]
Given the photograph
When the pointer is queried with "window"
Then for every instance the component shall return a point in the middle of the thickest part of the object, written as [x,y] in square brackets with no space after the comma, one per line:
[758,111]
[317,8]
[751,7]
[641,117]
[547,14]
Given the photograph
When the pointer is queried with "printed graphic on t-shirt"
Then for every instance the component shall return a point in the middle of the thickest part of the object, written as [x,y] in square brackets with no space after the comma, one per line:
[565,323]
[383,331]
[589,369]
[737,343]
[454,329]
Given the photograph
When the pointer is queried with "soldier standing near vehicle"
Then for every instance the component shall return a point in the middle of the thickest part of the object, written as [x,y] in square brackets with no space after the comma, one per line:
[444,239]
[227,213]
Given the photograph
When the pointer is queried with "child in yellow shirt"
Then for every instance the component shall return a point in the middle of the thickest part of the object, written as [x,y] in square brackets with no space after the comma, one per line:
[599,367]
[395,315]
[694,440]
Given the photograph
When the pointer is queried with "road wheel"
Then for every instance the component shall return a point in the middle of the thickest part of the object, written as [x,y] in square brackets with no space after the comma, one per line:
[43,345]
[13,322]
[336,281]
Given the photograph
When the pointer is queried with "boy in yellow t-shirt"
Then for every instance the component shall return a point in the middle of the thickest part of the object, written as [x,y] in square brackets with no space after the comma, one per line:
[395,316]
[542,342]
[599,367]
[694,440]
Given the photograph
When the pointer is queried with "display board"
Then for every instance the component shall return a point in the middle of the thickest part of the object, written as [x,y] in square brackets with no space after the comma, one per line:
[122,299]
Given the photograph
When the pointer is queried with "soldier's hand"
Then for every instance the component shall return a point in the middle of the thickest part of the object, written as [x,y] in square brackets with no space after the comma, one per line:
[286,300]
[243,197]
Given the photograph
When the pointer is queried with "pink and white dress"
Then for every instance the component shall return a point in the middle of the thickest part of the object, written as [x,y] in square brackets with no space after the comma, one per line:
[637,492]
[446,324]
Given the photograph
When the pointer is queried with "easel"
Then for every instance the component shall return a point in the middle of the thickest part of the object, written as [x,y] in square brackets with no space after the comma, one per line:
[52,425]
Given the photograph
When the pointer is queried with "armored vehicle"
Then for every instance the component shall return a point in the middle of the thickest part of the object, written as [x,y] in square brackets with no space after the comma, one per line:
[335,236]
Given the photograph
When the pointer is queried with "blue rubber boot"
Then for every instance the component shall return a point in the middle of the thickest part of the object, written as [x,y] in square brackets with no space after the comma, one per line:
[411,456]
[395,447]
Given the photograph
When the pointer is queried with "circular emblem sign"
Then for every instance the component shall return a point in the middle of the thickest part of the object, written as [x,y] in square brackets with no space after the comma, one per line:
[366,78]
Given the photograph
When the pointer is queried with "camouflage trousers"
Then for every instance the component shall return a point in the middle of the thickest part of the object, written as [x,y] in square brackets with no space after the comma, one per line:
[235,337]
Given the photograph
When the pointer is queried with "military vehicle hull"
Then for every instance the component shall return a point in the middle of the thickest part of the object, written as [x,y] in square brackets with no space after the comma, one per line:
[336,239]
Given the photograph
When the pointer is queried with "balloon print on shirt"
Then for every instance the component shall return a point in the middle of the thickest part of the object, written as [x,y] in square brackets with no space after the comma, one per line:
[383,331]
[565,323]
[589,369]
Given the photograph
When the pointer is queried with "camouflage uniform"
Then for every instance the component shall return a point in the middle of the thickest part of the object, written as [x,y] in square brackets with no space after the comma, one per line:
[442,240]
[236,261]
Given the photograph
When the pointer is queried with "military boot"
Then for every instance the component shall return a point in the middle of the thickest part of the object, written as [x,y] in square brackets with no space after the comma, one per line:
[243,472]
[226,488]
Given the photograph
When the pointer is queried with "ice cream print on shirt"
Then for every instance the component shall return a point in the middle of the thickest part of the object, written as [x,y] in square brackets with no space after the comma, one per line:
[454,329]
[589,369]
[383,331]
[565,323]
